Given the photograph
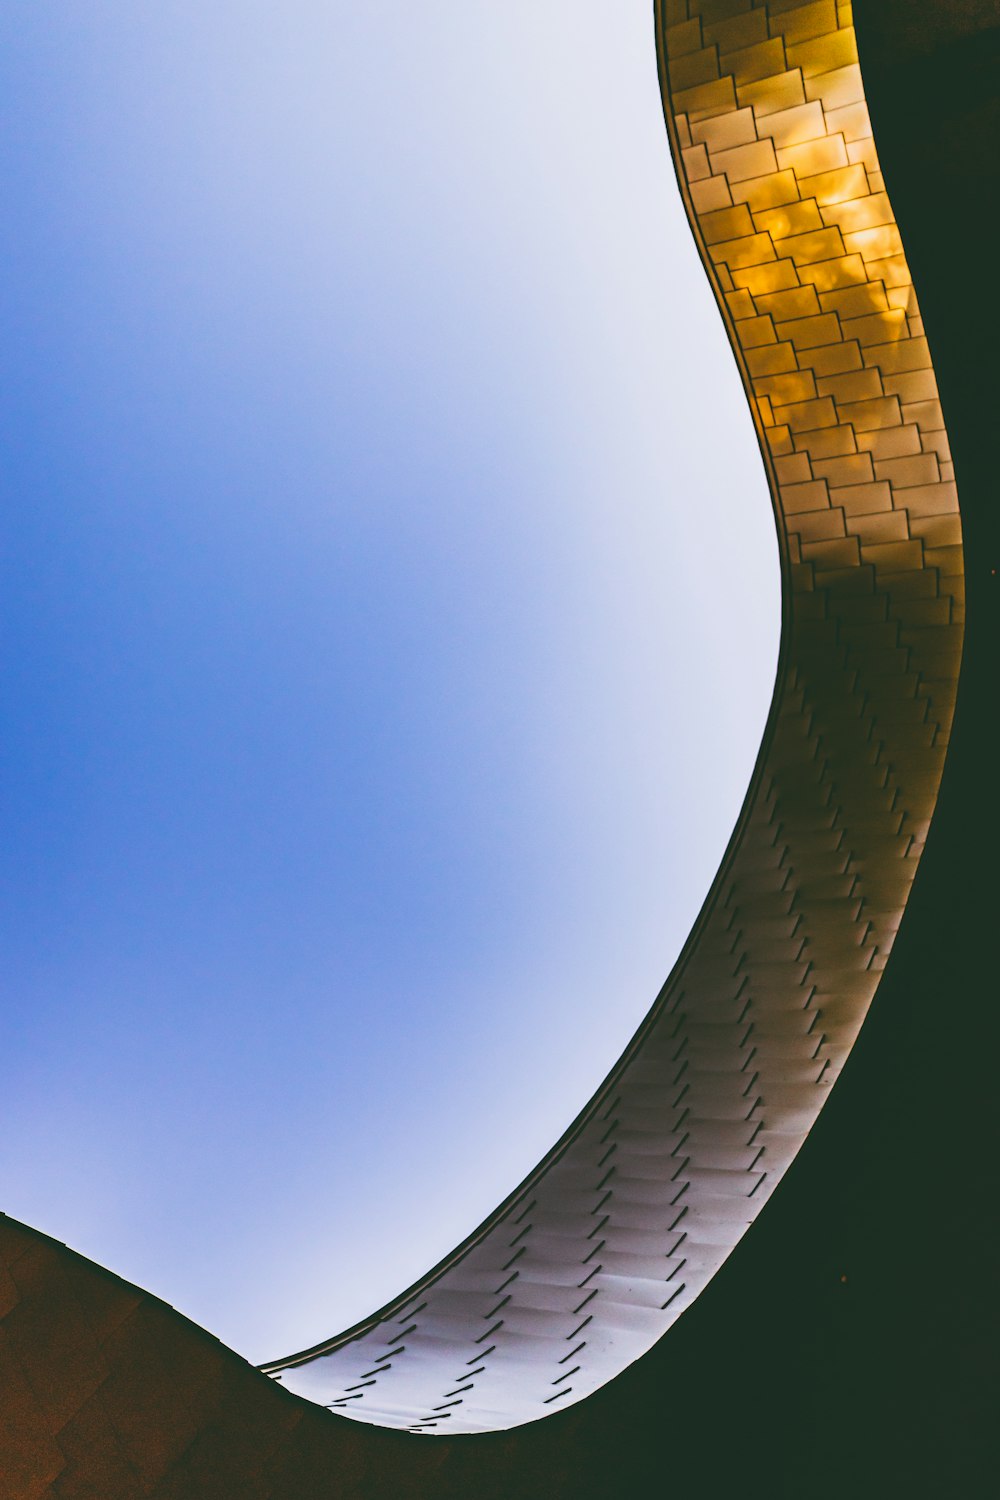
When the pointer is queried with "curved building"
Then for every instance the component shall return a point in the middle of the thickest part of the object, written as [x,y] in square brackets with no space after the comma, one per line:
[836,1352]
[604,1246]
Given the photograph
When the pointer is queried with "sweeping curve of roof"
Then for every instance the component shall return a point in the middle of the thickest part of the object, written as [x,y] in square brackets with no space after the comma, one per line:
[616,1232]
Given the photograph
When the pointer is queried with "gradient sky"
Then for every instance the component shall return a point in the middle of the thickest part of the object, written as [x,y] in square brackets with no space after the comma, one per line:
[376,467]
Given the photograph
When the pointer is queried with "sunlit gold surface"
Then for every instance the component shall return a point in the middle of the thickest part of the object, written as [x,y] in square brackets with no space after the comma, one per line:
[775,154]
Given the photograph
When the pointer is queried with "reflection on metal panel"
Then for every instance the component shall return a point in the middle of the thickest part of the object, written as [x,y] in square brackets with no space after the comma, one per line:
[603,1247]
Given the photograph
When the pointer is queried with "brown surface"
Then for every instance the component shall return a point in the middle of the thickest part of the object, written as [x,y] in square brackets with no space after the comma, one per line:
[110,1393]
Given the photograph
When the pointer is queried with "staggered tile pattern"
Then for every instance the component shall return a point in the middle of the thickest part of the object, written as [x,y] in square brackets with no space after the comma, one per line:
[610,1239]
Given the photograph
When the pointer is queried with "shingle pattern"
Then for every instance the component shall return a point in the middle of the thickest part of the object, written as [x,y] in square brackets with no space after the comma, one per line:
[603,1247]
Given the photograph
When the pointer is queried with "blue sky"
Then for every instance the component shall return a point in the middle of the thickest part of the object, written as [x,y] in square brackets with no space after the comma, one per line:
[375,462]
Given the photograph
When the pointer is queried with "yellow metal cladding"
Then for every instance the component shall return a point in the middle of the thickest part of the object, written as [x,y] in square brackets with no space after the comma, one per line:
[766,109]
[617,1231]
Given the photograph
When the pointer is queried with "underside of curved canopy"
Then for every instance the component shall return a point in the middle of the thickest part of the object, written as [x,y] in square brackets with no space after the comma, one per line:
[602,1248]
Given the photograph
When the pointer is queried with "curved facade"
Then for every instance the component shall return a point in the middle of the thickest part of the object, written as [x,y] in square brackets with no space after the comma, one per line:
[603,1247]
